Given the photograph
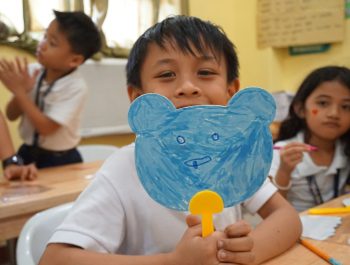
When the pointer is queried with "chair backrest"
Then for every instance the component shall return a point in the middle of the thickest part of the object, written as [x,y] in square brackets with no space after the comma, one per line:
[93,152]
[37,231]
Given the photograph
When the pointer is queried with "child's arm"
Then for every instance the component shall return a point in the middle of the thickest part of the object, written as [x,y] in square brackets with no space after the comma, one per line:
[42,123]
[6,146]
[13,111]
[279,230]
[191,250]
[16,78]
[6,150]
[290,156]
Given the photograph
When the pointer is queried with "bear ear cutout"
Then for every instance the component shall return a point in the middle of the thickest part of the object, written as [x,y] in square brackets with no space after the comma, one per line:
[256,101]
[148,111]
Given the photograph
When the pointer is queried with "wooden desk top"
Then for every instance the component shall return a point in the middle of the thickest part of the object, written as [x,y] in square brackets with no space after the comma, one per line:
[54,186]
[342,234]
[299,255]
[336,246]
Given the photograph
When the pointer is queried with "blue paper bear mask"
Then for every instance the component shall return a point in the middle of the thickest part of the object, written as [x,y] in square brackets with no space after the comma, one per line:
[227,149]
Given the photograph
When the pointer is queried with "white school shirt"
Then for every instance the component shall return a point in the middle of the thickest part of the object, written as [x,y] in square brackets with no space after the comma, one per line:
[299,194]
[64,104]
[116,215]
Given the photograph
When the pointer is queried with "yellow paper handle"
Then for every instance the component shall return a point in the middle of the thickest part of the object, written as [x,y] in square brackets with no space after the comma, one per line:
[206,203]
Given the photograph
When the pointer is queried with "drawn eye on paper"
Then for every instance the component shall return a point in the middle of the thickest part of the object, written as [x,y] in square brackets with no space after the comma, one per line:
[226,149]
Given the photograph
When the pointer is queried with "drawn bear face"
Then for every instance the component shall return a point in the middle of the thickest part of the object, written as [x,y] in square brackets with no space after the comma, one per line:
[226,149]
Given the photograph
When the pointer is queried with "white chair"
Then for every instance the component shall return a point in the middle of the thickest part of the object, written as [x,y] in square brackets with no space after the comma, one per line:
[93,152]
[37,231]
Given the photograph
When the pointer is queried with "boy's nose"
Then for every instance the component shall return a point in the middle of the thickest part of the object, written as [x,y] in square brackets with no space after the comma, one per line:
[42,44]
[187,89]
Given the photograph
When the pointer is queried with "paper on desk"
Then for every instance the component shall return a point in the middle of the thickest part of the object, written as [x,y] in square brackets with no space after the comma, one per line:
[319,227]
[18,191]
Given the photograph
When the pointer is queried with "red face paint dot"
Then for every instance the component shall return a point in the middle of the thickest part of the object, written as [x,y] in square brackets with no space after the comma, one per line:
[314,111]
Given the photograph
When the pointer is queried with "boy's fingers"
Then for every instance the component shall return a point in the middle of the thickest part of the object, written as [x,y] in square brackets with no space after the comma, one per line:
[238,229]
[237,244]
[33,172]
[24,173]
[192,220]
[235,257]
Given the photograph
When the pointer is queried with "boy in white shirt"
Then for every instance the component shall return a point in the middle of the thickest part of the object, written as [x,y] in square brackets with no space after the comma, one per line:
[114,221]
[50,97]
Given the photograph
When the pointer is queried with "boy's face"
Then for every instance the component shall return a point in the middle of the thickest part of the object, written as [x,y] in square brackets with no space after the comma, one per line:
[54,51]
[185,79]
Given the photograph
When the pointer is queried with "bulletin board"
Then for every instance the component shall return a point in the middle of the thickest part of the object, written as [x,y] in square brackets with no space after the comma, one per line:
[282,23]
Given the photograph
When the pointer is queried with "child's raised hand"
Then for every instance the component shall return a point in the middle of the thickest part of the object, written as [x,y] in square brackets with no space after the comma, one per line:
[291,155]
[237,247]
[193,249]
[15,76]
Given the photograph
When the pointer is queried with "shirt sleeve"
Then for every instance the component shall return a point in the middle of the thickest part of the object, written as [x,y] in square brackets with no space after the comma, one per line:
[260,197]
[97,219]
[275,163]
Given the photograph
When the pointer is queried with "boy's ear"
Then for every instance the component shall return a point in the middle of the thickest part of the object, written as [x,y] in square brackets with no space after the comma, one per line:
[233,87]
[76,60]
[134,92]
[299,110]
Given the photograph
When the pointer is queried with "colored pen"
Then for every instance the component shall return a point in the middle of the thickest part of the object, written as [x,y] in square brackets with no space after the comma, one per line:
[319,252]
[329,210]
[311,147]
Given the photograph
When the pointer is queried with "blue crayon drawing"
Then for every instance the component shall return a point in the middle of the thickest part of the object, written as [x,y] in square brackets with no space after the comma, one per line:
[226,149]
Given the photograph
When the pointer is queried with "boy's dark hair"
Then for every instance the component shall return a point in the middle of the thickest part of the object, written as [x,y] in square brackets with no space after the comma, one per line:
[81,32]
[293,124]
[183,31]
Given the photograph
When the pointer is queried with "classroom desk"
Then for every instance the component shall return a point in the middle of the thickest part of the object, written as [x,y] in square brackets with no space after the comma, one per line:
[336,246]
[54,186]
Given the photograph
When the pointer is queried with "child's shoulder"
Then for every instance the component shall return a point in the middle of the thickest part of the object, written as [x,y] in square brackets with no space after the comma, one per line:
[122,157]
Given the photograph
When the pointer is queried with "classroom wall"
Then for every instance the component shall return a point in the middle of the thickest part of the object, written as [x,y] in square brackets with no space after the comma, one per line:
[272,69]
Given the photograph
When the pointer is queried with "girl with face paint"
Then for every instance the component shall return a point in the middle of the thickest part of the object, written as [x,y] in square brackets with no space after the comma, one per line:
[311,165]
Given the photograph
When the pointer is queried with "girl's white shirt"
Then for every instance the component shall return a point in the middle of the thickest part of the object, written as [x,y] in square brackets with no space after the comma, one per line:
[299,194]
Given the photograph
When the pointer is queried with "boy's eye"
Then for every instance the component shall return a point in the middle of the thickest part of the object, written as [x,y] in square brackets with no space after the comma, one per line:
[168,74]
[52,43]
[180,139]
[346,107]
[215,136]
[206,72]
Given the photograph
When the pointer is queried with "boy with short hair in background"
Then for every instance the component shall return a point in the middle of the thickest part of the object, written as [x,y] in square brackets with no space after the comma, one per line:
[50,97]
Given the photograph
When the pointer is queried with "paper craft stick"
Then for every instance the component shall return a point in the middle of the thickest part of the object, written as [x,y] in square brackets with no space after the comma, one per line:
[311,147]
[329,210]
[206,203]
[319,252]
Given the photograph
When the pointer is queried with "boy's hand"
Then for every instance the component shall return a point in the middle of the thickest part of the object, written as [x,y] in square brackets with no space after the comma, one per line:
[291,155]
[193,249]
[237,248]
[14,75]
[28,172]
